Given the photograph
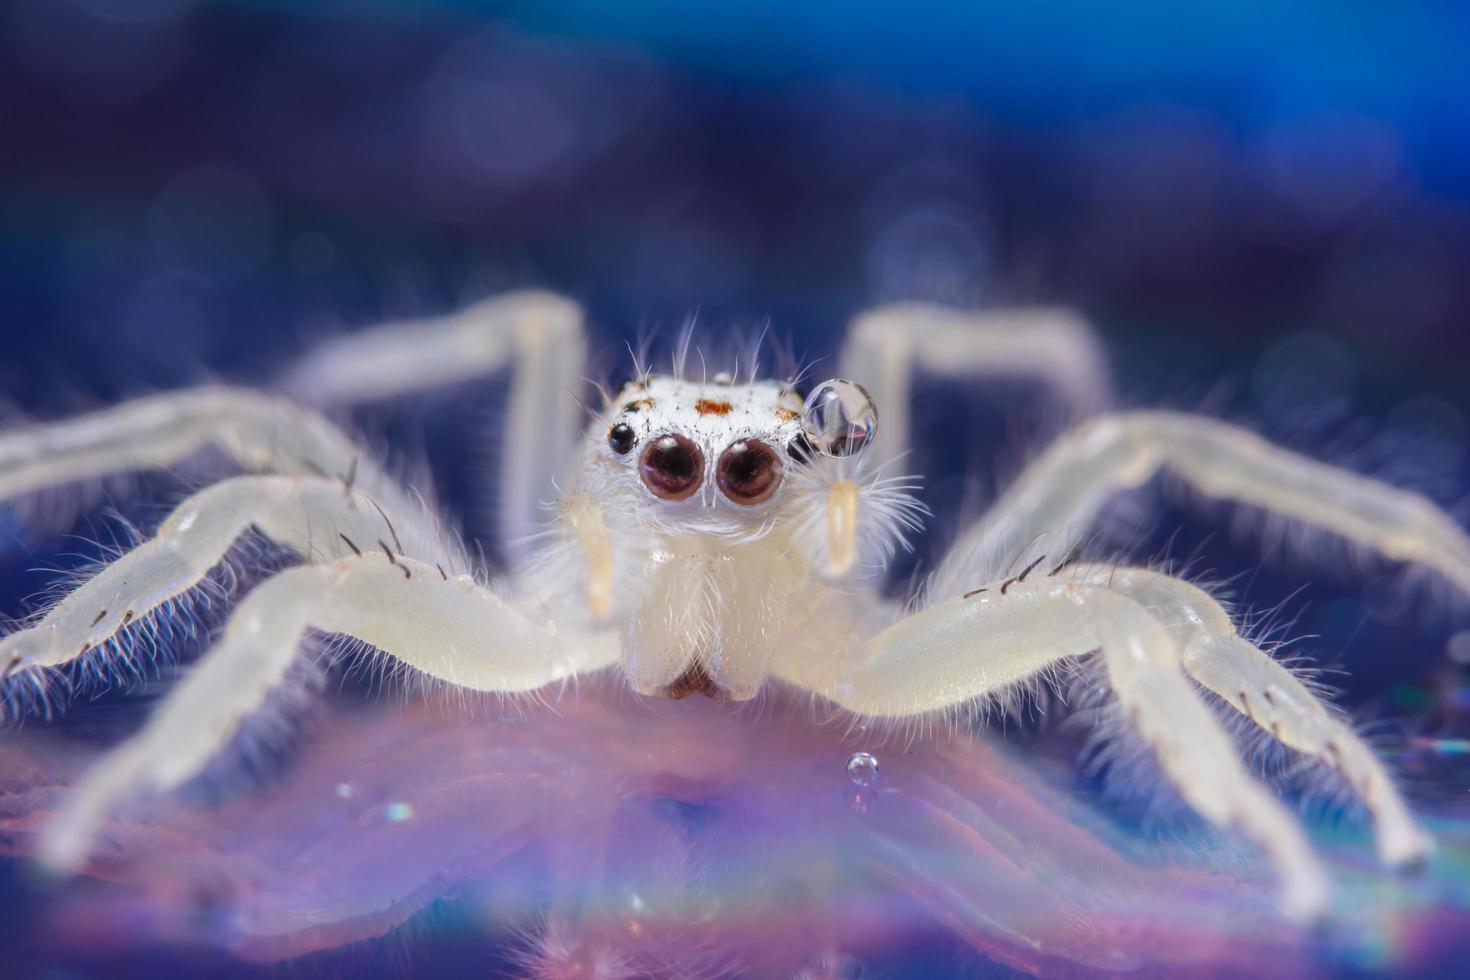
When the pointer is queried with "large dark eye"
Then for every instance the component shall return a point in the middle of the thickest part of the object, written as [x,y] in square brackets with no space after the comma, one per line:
[748,471]
[672,467]
[621,438]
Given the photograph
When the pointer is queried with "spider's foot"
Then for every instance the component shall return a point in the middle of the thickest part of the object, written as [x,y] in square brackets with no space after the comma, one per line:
[1407,851]
[1306,896]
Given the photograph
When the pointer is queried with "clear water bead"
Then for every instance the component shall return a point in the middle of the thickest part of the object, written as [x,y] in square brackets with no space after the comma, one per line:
[862,769]
[839,418]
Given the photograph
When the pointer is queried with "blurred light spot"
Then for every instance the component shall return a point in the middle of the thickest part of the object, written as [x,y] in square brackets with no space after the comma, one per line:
[345,791]
[928,236]
[1441,746]
[930,252]
[1459,647]
[398,812]
[212,224]
[498,130]
[1328,166]
[1410,697]
[500,114]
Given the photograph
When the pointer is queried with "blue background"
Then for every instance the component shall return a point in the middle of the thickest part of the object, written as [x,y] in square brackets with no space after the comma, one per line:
[1265,208]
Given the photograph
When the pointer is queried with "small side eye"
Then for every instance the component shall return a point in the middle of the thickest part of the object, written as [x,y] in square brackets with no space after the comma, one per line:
[672,467]
[620,438]
[748,471]
[800,449]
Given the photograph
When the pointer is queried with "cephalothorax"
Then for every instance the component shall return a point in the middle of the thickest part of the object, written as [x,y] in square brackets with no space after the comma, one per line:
[712,535]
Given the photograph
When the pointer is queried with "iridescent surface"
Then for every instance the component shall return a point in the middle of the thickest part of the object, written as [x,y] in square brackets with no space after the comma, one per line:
[679,838]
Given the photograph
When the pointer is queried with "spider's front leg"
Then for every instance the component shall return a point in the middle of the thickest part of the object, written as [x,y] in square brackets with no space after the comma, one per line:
[449,629]
[967,649]
[1054,502]
[317,518]
[1254,684]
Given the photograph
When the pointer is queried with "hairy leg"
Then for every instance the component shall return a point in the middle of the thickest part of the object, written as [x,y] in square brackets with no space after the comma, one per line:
[540,335]
[449,629]
[966,649]
[258,431]
[319,519]
[1054,502]
[537,334]
[885,347]
[1264,691]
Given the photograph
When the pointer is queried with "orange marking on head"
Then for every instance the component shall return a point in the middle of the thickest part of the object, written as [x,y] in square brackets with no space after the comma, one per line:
[706,407]
[786,415]
[639,405]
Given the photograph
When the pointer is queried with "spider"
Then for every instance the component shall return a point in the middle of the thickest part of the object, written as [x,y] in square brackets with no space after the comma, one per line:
[711,536]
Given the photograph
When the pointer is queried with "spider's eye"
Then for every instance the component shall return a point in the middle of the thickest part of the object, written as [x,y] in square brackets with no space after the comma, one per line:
[800,449]
[620,438]
[748,471]
[672,466]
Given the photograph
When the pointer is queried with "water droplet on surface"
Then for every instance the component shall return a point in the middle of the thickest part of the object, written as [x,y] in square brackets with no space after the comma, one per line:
[839,418]
[862,769]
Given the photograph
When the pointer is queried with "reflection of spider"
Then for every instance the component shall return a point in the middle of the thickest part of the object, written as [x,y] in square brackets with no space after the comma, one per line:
[710,536]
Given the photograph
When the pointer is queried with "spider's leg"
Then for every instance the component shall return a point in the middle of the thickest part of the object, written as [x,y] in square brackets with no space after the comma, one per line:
[317,518]
[885,347]
[260,432]
[538,335]
[1053,503]
[447,628]
[1250,681]
[967,649]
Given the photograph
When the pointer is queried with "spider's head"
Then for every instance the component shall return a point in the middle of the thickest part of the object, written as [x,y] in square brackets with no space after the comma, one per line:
[715,457]
[715,464]
[706,509]
[705,449]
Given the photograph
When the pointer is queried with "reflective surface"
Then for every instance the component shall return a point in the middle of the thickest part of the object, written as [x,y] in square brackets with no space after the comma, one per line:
[839,418]
[665,836]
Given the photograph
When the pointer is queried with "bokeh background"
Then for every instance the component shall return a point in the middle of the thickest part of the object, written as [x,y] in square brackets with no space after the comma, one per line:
[1264,208]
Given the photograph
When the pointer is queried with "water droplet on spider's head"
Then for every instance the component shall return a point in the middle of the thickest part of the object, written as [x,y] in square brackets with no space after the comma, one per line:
[839,418]
[862,769]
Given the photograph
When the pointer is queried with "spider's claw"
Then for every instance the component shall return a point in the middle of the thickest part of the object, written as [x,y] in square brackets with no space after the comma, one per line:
[1410,854]
[1306,896]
